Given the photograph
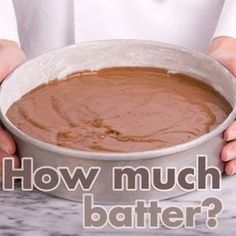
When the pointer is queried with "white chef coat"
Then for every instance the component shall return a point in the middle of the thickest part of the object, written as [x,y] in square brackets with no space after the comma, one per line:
[47,24]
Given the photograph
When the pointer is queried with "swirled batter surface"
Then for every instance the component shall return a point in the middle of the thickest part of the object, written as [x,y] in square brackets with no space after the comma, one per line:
[123,109]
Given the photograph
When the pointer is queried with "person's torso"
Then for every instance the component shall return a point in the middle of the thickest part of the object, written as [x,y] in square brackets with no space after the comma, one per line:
[44,25]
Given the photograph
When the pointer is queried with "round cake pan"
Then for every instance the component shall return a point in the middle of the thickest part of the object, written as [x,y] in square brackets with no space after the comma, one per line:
[103,54]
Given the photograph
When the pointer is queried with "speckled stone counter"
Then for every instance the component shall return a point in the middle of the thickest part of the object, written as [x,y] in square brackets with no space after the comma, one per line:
[35,213]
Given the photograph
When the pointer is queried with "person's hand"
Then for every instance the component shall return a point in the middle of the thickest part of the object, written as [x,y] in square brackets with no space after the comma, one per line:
[223,49]
[10,57]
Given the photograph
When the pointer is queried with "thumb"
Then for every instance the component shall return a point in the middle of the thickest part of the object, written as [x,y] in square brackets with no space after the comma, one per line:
[223,49]
[228,59]
[10,57]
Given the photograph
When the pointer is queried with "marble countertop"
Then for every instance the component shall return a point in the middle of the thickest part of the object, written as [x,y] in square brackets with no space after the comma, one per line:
[35,213]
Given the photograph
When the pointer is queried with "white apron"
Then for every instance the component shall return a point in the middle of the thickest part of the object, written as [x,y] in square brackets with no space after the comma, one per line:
[47,24]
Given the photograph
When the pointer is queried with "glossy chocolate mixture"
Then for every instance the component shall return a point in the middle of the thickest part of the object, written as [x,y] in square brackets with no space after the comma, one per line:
[120,110]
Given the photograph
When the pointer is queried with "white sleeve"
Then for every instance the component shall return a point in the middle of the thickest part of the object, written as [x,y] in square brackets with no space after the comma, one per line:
[8,26]
[227,22]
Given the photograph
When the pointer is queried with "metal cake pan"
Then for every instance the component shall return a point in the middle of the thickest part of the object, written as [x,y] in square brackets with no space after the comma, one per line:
[112,53]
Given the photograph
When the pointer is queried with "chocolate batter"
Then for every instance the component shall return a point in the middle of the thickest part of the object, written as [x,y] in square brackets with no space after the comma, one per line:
[123,109]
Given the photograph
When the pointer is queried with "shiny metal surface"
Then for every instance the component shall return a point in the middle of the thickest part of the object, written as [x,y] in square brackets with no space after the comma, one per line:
[101,54]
